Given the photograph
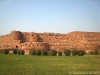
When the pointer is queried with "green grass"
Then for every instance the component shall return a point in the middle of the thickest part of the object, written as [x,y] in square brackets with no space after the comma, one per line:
[49,65]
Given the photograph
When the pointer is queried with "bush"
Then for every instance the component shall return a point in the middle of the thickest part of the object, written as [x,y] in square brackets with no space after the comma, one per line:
[15,51]
[6,51]
[38,52]
[59,53]
[91,53]
[81,52]
[96,52]
[52,52]
[21,52]
[44,52]
[74,52]
[32,52]
[67,52]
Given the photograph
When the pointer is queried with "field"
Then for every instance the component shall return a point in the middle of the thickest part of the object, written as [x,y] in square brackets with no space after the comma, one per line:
[49,65]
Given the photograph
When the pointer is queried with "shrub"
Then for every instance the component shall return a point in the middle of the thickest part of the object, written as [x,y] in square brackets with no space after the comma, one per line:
[67,52]
[15,51]
[6,51]
[32,52]
[59,53]
[96,52]
[52,52]
[44,52]
[21,52]
[91,52]
[98,48]
[18,52]
[81,52]
[74,52]
[38,52]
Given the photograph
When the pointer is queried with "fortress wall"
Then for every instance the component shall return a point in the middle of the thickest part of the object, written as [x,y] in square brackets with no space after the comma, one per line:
[63,46]
[29,40]
[16,35]
[34,45]
[10,40]
[79,46]
[5,41]
[25,37]
[30,37]
[33,37]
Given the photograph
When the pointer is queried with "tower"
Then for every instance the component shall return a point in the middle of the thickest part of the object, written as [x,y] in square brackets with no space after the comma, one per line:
[16,35]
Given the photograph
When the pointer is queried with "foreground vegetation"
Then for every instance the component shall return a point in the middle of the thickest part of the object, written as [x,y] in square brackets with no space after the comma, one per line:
[11,64]
[66,52]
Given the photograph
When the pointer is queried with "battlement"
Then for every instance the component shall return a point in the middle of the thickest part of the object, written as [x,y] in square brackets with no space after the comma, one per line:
[46,40]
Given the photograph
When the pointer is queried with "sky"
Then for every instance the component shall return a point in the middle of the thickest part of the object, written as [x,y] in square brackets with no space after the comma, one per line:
[59,16]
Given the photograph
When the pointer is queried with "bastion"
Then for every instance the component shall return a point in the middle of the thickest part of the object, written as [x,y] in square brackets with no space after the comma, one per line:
[31,40]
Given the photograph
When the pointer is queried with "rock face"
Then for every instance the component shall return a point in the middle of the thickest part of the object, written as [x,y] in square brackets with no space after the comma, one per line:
[57,41]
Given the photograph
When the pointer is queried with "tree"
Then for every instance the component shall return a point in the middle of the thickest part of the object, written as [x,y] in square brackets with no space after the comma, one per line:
[67,52]
[59,53]
[32,52]
[81,52]
[52,52]
[38,52]
[91,52]
[96,52]
[44,52]
[74,52]
[98,48]
[6,51]
[15,51]
[21,52]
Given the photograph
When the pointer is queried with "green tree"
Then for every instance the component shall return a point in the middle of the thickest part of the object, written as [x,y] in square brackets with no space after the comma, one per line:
[74,52]
[44,52]
[98,48]
[21,52]
[59,53]
[32,52]
[96,52]
[81,52]
[91,52]
[6,51]
[52,52]
[38,52]
[15,51]
[67,52]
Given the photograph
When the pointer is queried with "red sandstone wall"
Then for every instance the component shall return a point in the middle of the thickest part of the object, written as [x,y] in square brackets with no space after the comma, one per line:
[57,41]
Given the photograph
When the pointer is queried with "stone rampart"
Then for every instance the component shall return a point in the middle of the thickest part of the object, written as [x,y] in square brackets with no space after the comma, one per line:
[57,41]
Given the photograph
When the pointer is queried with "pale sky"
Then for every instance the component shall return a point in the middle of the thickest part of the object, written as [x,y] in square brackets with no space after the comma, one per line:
[61,16]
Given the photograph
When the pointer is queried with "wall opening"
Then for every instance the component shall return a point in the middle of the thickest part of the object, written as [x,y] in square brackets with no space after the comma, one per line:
[16,47]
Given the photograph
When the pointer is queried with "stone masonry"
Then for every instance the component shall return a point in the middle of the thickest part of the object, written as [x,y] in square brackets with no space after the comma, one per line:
[31,40]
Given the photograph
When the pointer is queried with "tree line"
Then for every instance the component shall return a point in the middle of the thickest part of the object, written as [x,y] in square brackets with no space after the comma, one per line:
[66,52]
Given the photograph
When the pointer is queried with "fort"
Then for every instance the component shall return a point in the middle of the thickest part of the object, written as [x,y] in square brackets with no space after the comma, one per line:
[32,40]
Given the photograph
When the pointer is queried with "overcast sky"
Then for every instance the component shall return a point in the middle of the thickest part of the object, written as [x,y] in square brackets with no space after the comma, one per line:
[60,16]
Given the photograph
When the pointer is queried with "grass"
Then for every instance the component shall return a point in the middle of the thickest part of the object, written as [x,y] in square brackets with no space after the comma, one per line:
[11,64]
